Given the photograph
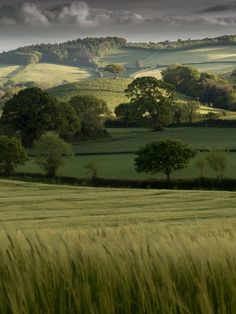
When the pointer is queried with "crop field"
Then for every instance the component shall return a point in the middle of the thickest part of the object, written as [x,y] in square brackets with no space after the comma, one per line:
[125,142]
[116,251]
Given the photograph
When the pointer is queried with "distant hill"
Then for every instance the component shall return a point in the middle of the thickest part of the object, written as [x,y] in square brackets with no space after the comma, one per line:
[88,51]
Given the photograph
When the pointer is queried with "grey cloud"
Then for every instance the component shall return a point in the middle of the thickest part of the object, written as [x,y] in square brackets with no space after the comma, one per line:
[219,8]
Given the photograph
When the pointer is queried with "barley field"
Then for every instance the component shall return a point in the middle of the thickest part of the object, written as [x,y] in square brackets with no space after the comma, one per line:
[85,250]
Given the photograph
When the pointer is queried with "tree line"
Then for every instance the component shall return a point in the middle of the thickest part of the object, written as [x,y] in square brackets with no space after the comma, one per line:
[75,52]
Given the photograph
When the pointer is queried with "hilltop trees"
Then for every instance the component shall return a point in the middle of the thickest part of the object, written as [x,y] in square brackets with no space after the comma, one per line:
[164,156]
[92,113]
[12,154]
[152,98]
[208,88]
[115,69]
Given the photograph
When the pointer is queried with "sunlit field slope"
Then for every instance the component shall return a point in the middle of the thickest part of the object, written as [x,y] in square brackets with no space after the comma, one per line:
[43,74]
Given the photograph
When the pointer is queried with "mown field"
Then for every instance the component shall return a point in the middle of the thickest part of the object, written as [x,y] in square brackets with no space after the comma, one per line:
[116,251]
[125,142]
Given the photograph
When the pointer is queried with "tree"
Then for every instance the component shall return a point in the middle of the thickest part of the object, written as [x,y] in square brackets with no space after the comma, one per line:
[164,156]
[28,114]
[92,113]
[52,152]
[139,63]
[153,98]
[126,112]
[200,164]
[66,122]
[12,154]
[115,69]
[92,169]
[191,108]
[217,161]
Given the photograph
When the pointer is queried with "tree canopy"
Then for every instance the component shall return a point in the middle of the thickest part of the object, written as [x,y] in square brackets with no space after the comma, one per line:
[164,156]
[115,69]
[52,152]
[12,154]
[152,97]
[92,112]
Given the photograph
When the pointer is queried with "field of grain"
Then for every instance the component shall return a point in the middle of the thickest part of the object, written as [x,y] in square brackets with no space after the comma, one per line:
[116,251]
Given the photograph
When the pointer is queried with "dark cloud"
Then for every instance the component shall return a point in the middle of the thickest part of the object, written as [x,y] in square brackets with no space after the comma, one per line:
[219,8]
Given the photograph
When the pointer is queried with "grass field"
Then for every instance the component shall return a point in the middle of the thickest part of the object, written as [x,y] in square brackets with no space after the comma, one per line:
[110,90]
[127,141]
[115,251]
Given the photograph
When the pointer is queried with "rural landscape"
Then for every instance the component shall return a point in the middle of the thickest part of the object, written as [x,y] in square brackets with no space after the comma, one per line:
[118,158]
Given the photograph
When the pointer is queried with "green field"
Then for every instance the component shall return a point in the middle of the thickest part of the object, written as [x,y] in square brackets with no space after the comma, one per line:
[82,250]
[125,141]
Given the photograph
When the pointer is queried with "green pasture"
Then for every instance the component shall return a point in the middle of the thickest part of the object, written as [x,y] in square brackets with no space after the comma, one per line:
[126,141]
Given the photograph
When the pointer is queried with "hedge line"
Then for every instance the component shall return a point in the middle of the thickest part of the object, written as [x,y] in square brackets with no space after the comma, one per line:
[224,184]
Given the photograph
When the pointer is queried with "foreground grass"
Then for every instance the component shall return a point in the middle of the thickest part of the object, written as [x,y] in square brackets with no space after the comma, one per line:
[122,271]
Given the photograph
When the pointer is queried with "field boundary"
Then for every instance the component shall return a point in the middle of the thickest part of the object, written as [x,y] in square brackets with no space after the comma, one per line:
[221,184]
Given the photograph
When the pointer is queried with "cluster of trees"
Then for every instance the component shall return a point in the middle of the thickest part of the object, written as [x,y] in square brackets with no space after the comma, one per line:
[186,44]
[155,102]
[75,52]
[32,112]
[34,119]
[208,88]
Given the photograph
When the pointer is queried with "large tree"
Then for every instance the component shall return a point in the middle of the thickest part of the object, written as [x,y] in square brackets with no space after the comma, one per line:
[92,113]
[165,156]
[115,69]
[12,154]
[52,152]
[151,97]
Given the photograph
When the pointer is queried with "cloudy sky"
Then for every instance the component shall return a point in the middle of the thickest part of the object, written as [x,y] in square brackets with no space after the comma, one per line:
[34,21]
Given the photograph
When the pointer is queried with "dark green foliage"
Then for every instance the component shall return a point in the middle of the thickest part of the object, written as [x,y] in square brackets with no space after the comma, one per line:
[66,122]
[92,113]
[153,98]
[32,112]
[29,114]
[164,156]
[75,52]
[12,154]
[208,88]
[51,153]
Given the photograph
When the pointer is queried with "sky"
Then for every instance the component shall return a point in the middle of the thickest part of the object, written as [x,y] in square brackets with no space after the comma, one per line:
[36,21]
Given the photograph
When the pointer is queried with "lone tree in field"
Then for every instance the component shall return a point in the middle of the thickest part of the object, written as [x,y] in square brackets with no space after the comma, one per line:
[52,152]
[115,69]
[92,113]
[151,97]
[217,161]
[165,156]
[12,154]
[201,164]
